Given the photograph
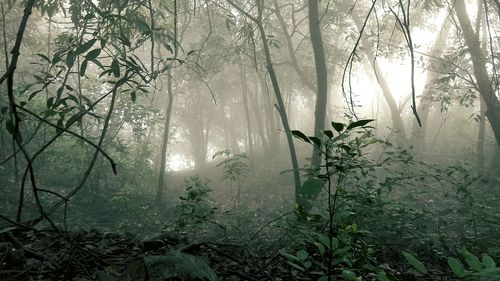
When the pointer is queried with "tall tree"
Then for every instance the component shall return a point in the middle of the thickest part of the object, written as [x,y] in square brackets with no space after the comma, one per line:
[160,190]
[431,78]
[481,75]
[277,91]
[244,93]
[397,120]
[321,76]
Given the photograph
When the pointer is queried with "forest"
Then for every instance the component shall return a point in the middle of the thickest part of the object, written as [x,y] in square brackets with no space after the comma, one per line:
[250,140]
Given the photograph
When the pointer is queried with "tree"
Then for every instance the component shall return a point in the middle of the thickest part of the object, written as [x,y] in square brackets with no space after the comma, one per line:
[277,91]
[430,81]
[168,111]
[397,120]
[321,76]
[484,85]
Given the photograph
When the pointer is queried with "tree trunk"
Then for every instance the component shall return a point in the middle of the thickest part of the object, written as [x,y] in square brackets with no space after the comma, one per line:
[397,120]
[291,49]
[480,73]
[260,123]
[244,94]
[199,132]
[430,80]
[277,92]
[480,138]
[321,77]
[168,113]
[270,122]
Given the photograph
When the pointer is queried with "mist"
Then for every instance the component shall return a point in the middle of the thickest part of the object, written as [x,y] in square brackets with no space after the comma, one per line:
[249,140]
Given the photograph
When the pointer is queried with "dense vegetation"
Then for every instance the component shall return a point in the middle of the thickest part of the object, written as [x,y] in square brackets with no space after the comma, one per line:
[249,140]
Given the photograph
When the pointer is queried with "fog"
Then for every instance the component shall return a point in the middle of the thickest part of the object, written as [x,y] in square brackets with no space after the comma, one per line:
[252,140]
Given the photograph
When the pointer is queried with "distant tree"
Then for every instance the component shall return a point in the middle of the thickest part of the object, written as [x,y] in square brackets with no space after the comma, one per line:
[258,20]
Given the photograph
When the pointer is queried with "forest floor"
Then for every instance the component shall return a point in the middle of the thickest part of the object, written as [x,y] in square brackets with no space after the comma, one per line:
[93,255]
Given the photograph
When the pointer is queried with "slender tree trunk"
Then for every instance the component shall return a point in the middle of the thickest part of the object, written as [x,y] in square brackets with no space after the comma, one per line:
[482,106]
[321,77]
[270,121]
[277,91]
[291,49]
[244,93]
[235,147]
[480,72]
[199,131]
[281,105]
[424,106]
[494,169]
[260,123]
[168,113]
[480,138]
[397,120]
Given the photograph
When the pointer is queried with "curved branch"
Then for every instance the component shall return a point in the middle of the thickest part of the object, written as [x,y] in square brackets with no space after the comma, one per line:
[66,130]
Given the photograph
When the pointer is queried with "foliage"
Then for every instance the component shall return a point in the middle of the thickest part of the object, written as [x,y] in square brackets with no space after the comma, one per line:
[173,265]
[195,207]
[235,167]
[478,269]
[89,92]
[331,246]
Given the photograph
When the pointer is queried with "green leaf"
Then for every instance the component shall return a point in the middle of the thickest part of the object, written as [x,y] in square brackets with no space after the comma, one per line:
[98,63]
[83,68]
[59,92]
[302,255]
[298,134]
[338,126]
[325,241]
[381,276]
[70,59]
[44,57]
[349,275]
[472,260]
[57,56]
[50,102]
[85,47]
[60,125]
[115,66]
[311,187]
[288,256]
[488,262]
[341,252]
[125,40]
[418,265]
[316,141]
[489,272]
[7,229]
[359,123]
[9,124]
[457,267]
[92,55]
[328,133]
[72,120]
[321,248]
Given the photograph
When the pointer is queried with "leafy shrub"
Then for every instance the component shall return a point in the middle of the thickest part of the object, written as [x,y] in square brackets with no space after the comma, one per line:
[195,206]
